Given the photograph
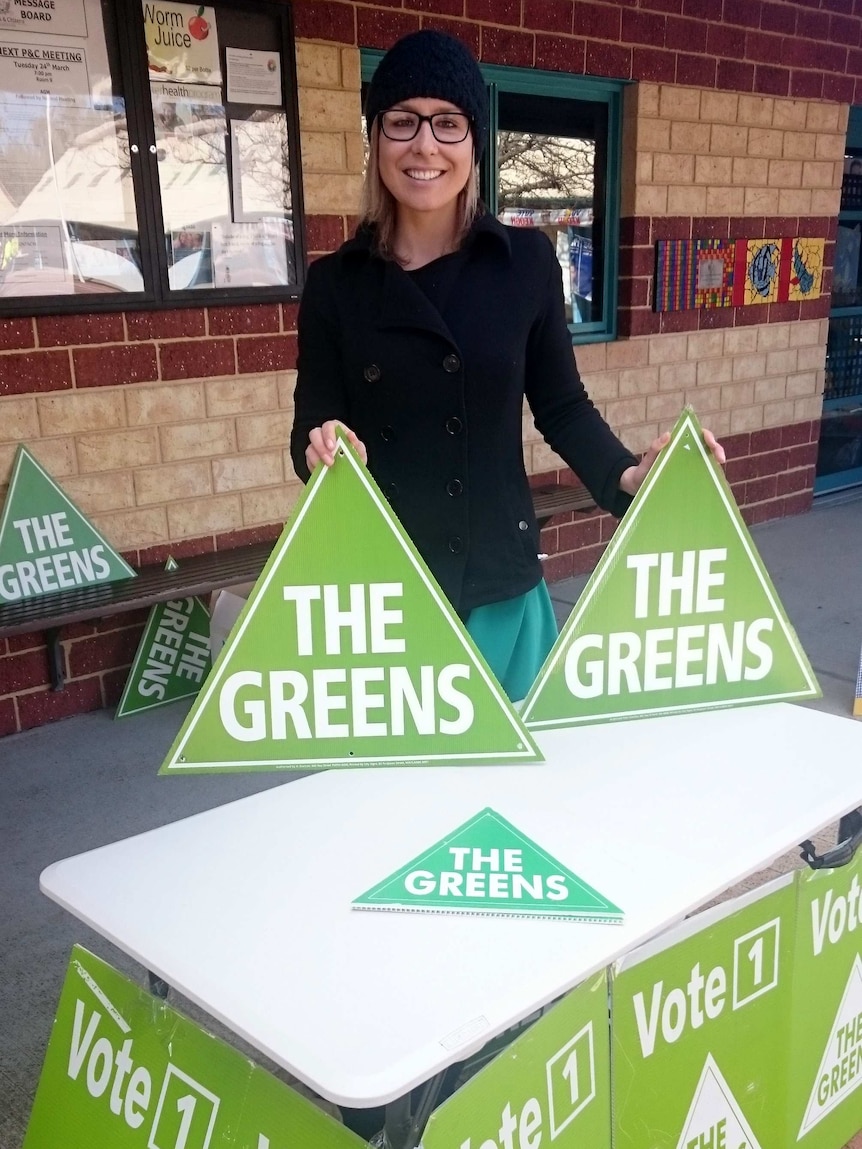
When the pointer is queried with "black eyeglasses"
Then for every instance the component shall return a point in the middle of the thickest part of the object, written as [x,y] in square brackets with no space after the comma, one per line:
[447,127]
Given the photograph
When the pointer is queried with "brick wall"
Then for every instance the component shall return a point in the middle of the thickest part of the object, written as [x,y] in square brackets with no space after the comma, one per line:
[169,428]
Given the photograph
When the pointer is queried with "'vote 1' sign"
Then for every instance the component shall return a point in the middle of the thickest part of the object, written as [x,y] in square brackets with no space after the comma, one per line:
[123,1069]
[347,653]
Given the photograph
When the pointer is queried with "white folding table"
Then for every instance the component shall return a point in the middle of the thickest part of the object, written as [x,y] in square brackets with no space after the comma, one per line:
[246,908]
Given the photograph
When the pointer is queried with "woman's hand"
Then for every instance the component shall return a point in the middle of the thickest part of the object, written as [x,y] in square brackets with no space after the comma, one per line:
[322,443]
[632,478]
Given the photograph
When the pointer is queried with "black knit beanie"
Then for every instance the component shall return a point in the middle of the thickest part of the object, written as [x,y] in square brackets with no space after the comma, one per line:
[432,65]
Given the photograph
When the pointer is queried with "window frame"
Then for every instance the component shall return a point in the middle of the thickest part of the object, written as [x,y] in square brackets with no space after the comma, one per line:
[157,296]
[558,85]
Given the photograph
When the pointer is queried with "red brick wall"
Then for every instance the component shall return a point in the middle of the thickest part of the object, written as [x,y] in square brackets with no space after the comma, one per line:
[811,50]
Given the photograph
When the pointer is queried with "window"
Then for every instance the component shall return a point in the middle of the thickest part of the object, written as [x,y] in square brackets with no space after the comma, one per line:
[147,156]
[552,162]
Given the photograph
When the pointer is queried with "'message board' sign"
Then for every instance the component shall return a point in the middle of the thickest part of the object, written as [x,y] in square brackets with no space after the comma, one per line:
[347,656]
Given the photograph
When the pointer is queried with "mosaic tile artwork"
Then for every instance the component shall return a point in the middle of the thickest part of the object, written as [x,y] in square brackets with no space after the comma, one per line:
[806,268]
[758,269]
[715,272]
[695,273]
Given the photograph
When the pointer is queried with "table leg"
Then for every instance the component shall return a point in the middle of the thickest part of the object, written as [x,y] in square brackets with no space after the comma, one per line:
[396,1126]
[403,1125]
[158,986]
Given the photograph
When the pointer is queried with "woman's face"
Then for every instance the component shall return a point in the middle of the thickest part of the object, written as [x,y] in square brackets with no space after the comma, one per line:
[422,174]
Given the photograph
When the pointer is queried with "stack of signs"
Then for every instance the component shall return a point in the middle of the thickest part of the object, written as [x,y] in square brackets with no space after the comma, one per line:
[488,866]
[173,656]
[679,614]
[46,543]
[550,1086]
[701,1021]
[347,654]
[826,1048]
[124,1069]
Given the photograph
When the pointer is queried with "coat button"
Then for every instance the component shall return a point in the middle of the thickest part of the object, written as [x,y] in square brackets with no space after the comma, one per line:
[456,544]
[390,490]
[451,364]
[453,425]
[523,525]
[372,373]
[387,434]
[454,487]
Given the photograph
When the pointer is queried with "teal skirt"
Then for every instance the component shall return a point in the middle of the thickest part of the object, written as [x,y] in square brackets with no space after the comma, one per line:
[515,637]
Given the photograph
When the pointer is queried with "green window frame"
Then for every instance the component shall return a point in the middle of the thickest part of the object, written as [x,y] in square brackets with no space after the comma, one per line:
[603,98]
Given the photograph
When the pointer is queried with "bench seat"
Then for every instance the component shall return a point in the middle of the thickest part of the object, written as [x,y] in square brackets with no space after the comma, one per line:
[199,575]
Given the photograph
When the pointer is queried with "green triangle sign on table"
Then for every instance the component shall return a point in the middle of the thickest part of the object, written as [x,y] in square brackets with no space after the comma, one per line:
[488,866]
[347,653]
[173,656]
[46,542]
[680,613]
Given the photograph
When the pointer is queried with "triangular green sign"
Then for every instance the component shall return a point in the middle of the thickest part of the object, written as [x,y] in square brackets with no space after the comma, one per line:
[714,1116]
[487,866]
[46,543]
[834,1083]
[679,614]
[173,657]
[347,654]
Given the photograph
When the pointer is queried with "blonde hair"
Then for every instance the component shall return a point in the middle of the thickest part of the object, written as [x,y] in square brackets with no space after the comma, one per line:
[378,208]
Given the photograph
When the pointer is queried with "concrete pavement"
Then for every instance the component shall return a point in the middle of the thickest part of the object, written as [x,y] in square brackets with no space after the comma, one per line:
[89,780]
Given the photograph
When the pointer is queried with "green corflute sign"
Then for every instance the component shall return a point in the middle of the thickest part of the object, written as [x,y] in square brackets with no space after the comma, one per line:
[551,1086]
[679,614]
[701,1027]
[46,542]
[347,653]
[826,1047]
[172,659]
[488,866]
[124,1070]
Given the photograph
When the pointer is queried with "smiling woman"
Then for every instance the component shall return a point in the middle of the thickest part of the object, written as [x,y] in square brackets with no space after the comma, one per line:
[423,335]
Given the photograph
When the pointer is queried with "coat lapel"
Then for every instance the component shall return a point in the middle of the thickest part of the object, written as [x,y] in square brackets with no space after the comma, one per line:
[405,305]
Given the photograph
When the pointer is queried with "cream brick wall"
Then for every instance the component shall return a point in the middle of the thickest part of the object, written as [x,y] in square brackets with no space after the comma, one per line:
[333,146]
[693,152]
[738,379]
[153,465]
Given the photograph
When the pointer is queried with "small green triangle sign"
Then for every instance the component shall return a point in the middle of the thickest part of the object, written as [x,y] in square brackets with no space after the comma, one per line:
[487,866]
[679,614]
[173,656]
[347,653]
[46,542]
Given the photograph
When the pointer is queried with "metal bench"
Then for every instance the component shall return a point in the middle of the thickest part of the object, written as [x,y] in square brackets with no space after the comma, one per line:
[558,499]
[199,575]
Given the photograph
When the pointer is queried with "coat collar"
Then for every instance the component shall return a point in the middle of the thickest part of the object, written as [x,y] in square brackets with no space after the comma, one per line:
[485,229]
[403,303]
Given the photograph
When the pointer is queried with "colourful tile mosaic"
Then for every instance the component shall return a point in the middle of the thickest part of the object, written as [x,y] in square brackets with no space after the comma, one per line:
[695,273]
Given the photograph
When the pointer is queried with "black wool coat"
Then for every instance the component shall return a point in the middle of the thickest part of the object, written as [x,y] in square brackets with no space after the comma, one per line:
[437,399]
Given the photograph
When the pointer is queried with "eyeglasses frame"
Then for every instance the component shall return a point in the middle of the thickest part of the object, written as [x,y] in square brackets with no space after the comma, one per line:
[420,120]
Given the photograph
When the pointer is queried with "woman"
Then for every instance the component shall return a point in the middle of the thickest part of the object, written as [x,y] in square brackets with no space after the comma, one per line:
[422,335]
